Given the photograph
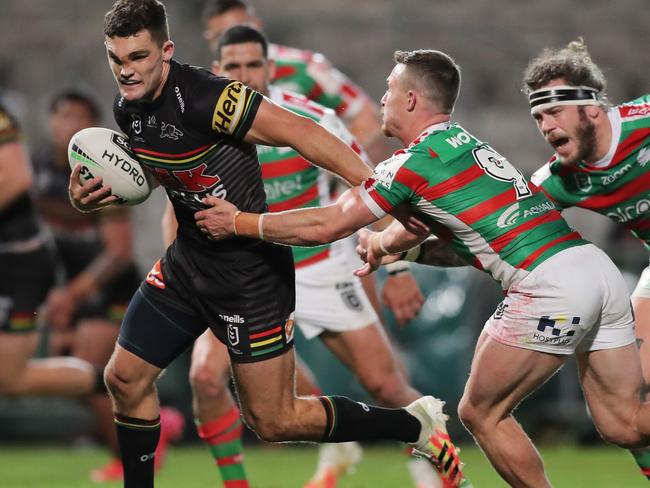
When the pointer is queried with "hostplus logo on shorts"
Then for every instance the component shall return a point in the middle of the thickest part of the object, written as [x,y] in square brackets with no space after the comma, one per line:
[552,331]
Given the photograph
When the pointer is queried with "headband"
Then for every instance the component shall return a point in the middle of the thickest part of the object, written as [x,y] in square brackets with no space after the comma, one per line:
[562,95]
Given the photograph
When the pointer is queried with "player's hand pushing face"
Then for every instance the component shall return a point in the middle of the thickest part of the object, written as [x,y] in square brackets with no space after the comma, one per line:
[217,221]
[90,195]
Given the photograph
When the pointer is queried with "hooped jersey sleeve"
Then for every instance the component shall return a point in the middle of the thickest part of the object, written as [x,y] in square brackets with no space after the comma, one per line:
[390,185]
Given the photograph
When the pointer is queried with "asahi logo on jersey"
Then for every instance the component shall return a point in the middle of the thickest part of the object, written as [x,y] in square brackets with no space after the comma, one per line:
[229,108]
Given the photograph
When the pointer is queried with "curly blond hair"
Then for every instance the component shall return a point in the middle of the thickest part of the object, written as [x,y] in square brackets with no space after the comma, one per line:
[571,62]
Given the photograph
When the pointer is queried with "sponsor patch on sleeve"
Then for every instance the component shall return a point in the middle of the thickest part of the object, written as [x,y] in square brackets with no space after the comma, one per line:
[385,172]
[230,108]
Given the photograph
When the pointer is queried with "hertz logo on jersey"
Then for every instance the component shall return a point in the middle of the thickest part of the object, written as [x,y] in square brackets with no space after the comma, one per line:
[230,108]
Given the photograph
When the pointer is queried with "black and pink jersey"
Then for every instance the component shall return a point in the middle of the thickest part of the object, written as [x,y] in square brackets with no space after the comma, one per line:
[190,138]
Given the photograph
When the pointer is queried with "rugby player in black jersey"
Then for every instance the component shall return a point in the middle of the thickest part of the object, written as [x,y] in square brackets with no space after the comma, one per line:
[27,274]
[196,133]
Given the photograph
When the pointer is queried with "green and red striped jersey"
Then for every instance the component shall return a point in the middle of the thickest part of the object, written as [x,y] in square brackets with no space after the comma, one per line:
[313,76]
[472,197]
[618,185]
[290,181]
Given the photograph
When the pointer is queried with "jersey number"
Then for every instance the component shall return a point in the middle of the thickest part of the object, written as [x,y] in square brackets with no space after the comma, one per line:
[499,168]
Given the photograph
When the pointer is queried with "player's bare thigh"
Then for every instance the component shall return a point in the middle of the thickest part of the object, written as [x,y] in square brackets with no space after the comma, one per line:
[611,380]
[641,307]
[501,376]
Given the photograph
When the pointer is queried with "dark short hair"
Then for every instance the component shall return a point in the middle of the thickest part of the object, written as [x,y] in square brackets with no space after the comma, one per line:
[572,62]
[212,8]
[436,72]
[76,96]
[240,34]
[128,17]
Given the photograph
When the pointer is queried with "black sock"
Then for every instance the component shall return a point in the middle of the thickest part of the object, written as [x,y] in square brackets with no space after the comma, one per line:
[137,439]
[348,420]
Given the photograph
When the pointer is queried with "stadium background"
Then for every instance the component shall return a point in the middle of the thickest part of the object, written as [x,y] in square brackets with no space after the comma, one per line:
[46,45]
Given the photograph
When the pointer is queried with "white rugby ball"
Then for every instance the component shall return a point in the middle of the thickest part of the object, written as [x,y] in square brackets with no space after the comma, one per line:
[106,153]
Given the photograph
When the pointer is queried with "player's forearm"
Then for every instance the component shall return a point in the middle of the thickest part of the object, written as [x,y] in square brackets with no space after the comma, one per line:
[395,238]
[301,227]
[434,252]
[330,153]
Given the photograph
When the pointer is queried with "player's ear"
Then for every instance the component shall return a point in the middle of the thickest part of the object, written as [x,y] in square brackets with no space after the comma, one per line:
[272,68]
[215,67]
[593,111]
[168,51]
[411,100]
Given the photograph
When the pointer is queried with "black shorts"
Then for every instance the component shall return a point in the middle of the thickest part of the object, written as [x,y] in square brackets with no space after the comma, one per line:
[246,297]
[25,279]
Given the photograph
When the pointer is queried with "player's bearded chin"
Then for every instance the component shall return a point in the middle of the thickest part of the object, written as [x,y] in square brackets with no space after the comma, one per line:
[585,138]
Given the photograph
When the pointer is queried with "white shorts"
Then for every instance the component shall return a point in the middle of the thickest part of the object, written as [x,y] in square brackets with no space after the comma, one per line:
[642,289]
[330,298]
[577,300]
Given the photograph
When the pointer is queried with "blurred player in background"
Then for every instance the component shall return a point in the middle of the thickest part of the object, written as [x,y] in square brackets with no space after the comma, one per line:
[600,159]
[97,274]
[240,288]
[312,75]
[27,273]
[330,301]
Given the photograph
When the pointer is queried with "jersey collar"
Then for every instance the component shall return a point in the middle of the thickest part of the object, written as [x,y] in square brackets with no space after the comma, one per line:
[430,130]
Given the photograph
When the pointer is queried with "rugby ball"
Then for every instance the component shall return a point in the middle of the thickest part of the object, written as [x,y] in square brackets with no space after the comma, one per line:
[106,153]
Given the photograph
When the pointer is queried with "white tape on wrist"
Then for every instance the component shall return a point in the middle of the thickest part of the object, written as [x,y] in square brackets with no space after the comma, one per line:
[260,227]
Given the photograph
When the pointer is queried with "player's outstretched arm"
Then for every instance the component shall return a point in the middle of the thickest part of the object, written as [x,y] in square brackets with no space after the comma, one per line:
[301,227]
[91,195]
[276,126]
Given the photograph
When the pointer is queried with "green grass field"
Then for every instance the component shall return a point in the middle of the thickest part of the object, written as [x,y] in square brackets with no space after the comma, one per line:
[288,467]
